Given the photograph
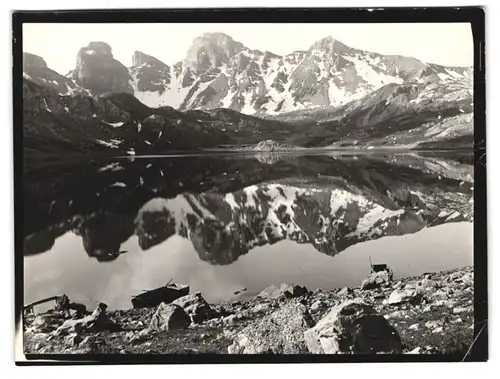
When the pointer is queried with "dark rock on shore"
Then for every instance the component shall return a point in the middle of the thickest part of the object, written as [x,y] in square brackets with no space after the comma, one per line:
[293,290]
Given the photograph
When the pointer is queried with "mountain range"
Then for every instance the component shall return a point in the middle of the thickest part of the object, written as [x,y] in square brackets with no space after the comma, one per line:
[226,94]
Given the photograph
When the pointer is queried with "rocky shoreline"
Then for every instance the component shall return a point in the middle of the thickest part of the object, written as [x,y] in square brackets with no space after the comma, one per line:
[428,314]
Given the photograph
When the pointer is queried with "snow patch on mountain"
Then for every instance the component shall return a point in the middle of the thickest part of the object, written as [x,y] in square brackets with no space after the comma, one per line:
[338,95]
[178,208]
[114,124]
[111,167]
[107,144]
[340,199]
[373,79]
[172,97]
[229,198]
[370,219]
[118,184]
[247,104]
[195,204]
[251,195]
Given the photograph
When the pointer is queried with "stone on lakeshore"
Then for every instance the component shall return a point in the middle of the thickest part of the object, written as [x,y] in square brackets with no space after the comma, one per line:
[271,293]
[169,317]
[196,307]
[375,280]
[399,296]
[261,308]
[95,322]
[286,291]
[317,305]
[457,310]
[281,332]
[353,328]
[344,291]
[397,285]
[411,286]
[293,290]
[74,339]
[138,337]
[468,279]
[229,320]
[433,324]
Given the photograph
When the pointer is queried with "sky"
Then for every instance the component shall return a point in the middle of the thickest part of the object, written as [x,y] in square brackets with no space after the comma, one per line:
[449,44]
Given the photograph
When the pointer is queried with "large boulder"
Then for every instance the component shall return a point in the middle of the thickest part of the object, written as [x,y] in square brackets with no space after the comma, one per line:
[282,332]
[293,290]
[375,280]
[196,307]
[286,291]
[95,322]
[468,279]
[271,293]
[169,317]
[399,296]
[352,328]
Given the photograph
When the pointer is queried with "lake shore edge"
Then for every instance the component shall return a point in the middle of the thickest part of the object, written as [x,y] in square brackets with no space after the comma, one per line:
[432,313]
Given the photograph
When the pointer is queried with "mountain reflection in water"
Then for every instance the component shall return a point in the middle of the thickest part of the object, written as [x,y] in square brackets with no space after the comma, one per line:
[224,207]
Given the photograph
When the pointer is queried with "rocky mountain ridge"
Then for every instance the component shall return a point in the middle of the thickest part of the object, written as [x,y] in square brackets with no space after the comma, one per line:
[117,123]
[35,69]
[103,107]
[403,115]
[397,115]
[219,72]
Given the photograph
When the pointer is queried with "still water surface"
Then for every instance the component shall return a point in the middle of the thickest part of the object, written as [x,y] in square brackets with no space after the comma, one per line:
[106,230]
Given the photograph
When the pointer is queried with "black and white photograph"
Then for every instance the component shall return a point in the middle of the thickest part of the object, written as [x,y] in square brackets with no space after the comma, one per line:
[236,189]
